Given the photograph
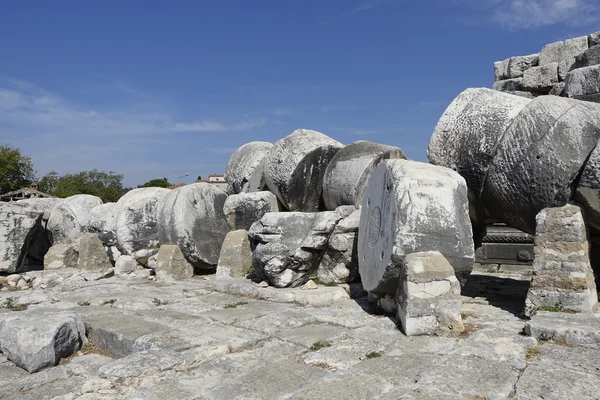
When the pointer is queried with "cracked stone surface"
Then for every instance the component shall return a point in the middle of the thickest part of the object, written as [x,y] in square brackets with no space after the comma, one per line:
[204,339]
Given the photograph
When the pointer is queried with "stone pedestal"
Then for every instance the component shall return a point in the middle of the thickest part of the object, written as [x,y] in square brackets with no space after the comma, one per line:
[428,295]
[562,275]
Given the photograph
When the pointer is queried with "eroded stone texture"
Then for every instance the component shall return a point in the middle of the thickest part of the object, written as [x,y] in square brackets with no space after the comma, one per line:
[69,219]
[501,70]
[428,295]
[62,255]
[18,227]
[35,341]
[563,51]
[244,209]
[235,260]
[136,220]
[584,84]
[468,133]
[340,261]
[171,265]
[92,255]
[290,245]
[539,158]
[541,79]
[589,57]
[348,173]
[245,170]
[562,274]
[126,265]
[295,168]
[588,190]
[103,222]
[520,64]
[509,85]
[412,207]
[192,217]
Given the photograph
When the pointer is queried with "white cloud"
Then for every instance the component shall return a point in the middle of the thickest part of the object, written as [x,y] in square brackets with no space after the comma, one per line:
[68,137]
[530,14]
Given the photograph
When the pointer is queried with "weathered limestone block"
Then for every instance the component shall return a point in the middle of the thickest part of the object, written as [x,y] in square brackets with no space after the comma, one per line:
[349,170]
[171,265]
[557,89]
[34,341]
[136,221]
[428,295]
[41,204]
[589,57]
[92,255]
[62,255]
[245,170]
[501,70]
[562,274]
[235,260]
[295,168]
[518,65]
[290,245]
[69,219]
[594,39]
[467,135]
[509,85]
[126,265]
[541,79]
[583,83]
[18,227]
[103,222]
[340,261]
[563,51]
[587,192]
[244,209]
[539,158]
[412,207]
[192,217]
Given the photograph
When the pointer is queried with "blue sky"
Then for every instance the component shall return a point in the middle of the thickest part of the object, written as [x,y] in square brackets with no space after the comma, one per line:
[154,89]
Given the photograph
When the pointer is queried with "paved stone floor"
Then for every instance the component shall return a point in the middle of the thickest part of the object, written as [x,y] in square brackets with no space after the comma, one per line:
[196,340]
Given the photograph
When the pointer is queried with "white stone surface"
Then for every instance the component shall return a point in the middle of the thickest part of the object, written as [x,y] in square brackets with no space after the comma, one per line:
[412,207]
[69,219]
[245,170]
[192,218]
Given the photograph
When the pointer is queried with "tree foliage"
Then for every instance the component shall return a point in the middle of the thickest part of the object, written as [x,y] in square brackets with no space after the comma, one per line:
[162,183]
[106,185]
[16,170]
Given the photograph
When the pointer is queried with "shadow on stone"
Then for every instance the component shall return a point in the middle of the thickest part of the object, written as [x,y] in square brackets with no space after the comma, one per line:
[505,293]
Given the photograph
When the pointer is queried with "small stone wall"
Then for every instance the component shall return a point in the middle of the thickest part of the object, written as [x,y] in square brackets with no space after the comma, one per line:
[569,68]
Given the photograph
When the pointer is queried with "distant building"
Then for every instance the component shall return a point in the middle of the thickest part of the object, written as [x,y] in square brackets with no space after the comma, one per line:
[216,178]
[24,193]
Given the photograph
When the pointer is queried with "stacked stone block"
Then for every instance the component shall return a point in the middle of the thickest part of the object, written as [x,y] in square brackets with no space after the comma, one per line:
[562,274]
[428,295]
[569,68]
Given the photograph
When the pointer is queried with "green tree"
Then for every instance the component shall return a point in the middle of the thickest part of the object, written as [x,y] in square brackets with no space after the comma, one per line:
[16,170]
[106,185]
[163,183]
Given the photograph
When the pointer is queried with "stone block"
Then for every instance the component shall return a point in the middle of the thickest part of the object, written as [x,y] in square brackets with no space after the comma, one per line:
[35,341]
[509,85]
[589,57]
[594,39]
[245,170]
[541,79]
[92,255]
[126,265]
[244,209]
[171,265]
[583,82]
[501,70]
[62,255]
[558,89]
[235,260]
[428,295]
[562,274]
[412,207]
[563,51]
[17,230]
[518,65]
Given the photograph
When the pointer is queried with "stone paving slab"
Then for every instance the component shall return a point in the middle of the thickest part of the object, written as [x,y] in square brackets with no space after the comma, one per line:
[570,329]
[187,341]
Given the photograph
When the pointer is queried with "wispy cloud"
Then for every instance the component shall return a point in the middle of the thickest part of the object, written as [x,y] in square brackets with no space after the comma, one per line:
[69,137]
[280,112]
[531,14]
[360,8]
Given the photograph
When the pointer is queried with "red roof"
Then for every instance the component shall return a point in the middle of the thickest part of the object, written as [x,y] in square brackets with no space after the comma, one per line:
[176,186]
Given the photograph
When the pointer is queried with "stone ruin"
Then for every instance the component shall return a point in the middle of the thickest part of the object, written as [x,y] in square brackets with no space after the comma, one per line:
[515,176]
